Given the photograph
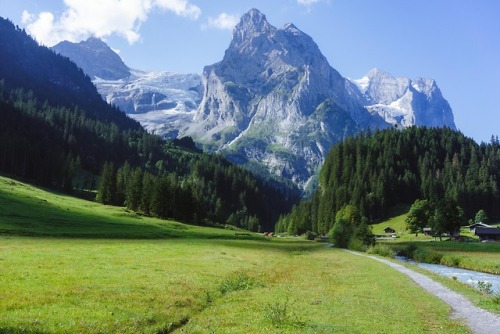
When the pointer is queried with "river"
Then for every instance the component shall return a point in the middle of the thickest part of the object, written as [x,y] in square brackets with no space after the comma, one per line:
[463,275]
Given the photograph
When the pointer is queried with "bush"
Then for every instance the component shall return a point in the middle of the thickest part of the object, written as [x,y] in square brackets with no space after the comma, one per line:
[238,281]
[382,250]
[311,235]
[357,245]
[423,255]
[485,287]
[450,261]
[409,251]
[496,298]
[341,233]
[280,315]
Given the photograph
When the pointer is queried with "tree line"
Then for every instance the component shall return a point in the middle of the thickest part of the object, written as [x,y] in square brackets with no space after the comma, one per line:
[208,191]
[58,132]
[376,171]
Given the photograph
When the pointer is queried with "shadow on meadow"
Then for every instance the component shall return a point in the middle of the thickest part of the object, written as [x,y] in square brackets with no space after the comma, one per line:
[30,211]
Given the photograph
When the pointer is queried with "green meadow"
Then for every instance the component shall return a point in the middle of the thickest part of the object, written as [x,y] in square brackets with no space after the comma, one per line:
[72,266]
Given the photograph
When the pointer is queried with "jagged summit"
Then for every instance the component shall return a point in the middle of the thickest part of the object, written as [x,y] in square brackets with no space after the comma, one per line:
[255,21]
[403,101]
[95,58]
[290,27]
[382,87]
[274,96]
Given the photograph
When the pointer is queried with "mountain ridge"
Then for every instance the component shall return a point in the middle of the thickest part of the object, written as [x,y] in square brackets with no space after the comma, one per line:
[274,100]
[396,99]
[95,58]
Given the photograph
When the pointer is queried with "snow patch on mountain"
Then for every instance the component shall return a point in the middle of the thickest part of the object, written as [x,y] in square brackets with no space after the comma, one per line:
[163,102]
[404,102]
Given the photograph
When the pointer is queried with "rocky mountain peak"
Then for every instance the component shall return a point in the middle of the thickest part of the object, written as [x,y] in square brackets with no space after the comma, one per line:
[382,87]
[290,27]
[95,58]
[274,95]
[404,102]
[254,20]
[252,24]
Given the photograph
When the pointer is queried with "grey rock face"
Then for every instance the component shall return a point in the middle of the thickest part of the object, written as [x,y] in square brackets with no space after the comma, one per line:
[404,102]
[95,58]
[274,99]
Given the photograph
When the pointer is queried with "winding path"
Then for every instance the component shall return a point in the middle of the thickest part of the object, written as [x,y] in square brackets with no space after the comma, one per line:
[478,320]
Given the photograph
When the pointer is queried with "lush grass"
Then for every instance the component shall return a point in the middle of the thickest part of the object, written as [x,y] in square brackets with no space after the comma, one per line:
[54,285]
[397,222]
[31,211]
[71,266]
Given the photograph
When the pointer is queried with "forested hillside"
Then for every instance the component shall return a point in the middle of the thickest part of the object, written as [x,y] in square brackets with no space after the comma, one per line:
[373,172]
[57,131]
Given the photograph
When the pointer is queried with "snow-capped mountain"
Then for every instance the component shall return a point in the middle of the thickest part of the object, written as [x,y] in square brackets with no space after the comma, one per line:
[404,102]
[272,101]
[95,58]
[163,102]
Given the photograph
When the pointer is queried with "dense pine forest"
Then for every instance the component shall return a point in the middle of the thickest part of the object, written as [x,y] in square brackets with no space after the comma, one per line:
[57,131]
[365,176]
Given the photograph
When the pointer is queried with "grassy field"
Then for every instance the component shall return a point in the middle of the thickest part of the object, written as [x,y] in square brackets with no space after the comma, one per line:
[205,286]
[71,266]
[31,211]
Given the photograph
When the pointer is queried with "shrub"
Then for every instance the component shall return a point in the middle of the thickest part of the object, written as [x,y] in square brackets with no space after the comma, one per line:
[382,250]
[341,233]
[409,251]
[496,298]
[423,255]
[238,281]
[450,261]
[485,287]
[280,315]
[311,235]
[357,245]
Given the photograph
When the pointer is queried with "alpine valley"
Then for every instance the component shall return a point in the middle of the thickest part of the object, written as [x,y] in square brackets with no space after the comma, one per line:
[273,101]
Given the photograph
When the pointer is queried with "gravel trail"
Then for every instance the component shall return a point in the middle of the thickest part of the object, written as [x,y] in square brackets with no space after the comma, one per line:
[478,320]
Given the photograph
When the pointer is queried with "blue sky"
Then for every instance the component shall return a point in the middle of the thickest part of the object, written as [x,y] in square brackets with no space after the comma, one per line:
[457,43]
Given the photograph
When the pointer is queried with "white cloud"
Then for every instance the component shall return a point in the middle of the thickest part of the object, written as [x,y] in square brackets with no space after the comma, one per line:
[26,17]
[43,25]
[101,18]
[307,2]
[222,22]
[180,7]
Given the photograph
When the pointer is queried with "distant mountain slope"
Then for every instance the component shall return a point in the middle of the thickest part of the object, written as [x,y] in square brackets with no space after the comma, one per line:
[55,128]
[404,102]
[95,58]
[163,102]
[52,78]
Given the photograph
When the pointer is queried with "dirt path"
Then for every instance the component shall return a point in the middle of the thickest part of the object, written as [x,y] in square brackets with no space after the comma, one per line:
[478,320]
